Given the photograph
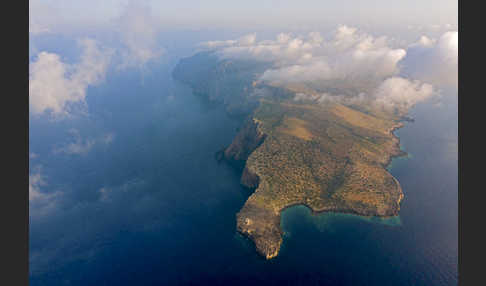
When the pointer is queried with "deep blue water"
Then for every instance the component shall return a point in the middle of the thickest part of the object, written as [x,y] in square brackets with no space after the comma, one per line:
[153,207]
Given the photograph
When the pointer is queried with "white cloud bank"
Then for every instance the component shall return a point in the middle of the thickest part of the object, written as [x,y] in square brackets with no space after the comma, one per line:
[353,60]
[54,85]
[393,92]
[349,55]
[434,61]
[401,92]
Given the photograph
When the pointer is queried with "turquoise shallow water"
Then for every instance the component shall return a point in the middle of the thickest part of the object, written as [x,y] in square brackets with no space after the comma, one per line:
[325,221]
[154,207]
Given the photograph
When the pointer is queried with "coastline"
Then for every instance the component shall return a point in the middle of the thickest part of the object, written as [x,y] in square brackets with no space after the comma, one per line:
[262,246]
[246,141]
[364,213]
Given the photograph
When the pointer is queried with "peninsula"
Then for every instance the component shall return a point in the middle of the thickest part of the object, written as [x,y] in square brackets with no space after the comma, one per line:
[293,150]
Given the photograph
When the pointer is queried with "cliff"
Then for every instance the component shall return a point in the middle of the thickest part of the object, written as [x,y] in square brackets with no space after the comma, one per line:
[244,143]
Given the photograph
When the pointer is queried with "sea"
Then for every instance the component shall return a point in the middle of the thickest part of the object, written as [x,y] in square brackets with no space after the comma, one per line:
[131,194]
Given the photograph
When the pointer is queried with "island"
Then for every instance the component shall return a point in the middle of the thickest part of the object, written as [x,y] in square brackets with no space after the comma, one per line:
[329,155]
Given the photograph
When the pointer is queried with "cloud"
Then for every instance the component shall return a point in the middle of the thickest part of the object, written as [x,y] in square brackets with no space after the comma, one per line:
[434,61]
[76,148]
[80,146]
[246,40]
[394,92]
[137,29]
[35,182]
[325,97]
[349,55]
[351,65]
[54,86]
[319,98]
[40,201]
[401,92]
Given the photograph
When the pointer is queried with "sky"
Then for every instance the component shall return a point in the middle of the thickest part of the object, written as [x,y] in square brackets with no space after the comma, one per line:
[261,13]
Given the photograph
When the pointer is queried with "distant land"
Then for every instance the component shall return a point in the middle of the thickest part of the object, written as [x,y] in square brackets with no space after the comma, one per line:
[327,155]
